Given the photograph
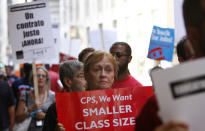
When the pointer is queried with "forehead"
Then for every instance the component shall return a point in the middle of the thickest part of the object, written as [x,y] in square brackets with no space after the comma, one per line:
[80,71]
[104,61]
[118,48]
[41,71]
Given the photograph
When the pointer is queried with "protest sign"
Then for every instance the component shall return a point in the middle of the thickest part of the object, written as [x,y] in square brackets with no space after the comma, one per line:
[180,93]
[74,47]
[161,44]
[111,109]
[30,32]
[95,39]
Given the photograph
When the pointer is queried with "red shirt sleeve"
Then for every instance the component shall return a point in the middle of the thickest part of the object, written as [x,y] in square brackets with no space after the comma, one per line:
[148,118]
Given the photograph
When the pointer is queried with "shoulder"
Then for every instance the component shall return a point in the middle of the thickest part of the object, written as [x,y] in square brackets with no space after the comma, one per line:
[132,79]
[51,93]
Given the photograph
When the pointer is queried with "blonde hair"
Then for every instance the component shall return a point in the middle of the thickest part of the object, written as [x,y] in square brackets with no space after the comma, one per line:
[47,77]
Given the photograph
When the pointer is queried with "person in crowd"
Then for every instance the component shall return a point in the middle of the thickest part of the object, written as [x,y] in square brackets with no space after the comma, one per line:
[123,55]
[83,55]
[54,77]
[11,77]
[72,77]
[100,70]
[184,50]
[7,107]
[193,12]
[22,84]
[37,110]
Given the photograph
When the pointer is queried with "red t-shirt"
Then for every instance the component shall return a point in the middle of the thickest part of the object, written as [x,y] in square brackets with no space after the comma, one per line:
[128,82]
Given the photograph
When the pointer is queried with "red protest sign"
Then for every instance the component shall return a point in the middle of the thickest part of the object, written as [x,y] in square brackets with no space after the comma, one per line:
[112,109]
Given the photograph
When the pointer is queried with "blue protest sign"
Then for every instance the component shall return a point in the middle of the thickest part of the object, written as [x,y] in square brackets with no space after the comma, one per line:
[161,44]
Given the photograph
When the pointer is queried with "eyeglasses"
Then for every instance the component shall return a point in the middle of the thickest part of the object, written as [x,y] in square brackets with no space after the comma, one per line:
[40,75]
[118,54]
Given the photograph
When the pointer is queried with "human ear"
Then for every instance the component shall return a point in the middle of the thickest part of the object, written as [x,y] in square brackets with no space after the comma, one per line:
[129,59]
[68,83]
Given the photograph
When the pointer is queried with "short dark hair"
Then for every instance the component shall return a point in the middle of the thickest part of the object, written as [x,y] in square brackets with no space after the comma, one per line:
[128,48]
[84,52]
[181,49]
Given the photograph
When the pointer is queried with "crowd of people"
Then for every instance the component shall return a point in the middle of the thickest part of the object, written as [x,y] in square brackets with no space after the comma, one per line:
[94,70]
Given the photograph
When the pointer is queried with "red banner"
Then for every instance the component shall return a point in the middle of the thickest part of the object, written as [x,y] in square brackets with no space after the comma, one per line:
[110,110]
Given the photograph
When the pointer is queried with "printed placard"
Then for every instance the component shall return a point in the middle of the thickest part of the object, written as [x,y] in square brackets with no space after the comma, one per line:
[161,44]
[180,93]
[112,109]
[30,32]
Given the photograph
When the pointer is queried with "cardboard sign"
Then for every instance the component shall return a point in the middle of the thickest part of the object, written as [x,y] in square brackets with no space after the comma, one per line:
[111,110]
[161,44]
[74,47]
[30,32]
[110,37]
[180,92]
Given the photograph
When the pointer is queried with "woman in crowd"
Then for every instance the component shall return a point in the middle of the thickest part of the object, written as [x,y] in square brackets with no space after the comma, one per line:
[27,106]
[100,70]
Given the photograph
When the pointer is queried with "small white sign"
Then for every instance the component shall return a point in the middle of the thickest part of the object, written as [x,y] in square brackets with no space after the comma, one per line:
[181,93]
[74,47]
[30,32]
[110,37]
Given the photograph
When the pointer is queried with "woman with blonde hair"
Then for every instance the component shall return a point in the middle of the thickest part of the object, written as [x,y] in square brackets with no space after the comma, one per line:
[27,106]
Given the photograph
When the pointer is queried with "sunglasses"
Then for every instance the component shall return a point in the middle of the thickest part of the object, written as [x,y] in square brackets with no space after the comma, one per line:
[118,54]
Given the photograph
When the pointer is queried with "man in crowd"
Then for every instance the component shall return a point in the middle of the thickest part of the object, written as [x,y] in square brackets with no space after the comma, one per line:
[7,107]
[72,77]
[22,84]
[123,55]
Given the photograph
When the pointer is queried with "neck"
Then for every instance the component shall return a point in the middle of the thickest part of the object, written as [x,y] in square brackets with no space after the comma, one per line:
[41,90]
[123,75]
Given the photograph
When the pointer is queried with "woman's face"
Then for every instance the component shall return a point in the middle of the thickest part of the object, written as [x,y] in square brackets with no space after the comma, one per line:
[101,75]
[41,77]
